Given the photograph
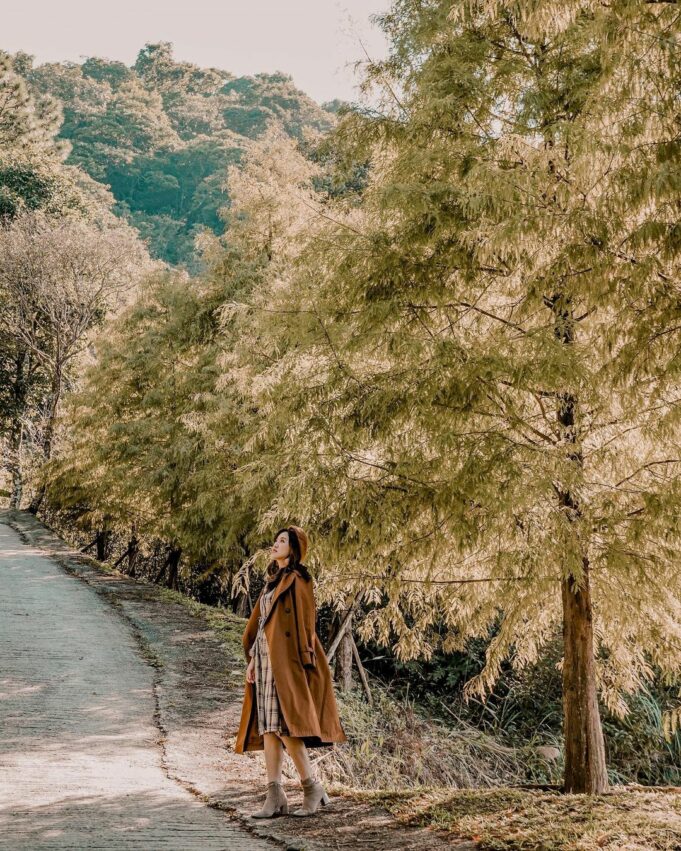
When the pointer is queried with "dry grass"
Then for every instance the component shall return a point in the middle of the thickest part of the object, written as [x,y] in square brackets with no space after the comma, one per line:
[630,818]
[228,626]
[392,745]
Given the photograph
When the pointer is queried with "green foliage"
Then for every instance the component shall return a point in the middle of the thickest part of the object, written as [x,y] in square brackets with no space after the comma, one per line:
[32,172]
[60,263]
[162,134]
[172,195]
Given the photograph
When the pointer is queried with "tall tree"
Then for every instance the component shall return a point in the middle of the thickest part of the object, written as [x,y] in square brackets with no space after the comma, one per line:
[34,181]
[163,132]
[58,280]
[138,450]
[479,367]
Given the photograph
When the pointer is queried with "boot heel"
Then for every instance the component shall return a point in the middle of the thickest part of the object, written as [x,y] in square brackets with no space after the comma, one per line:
[284,809]
[325,800]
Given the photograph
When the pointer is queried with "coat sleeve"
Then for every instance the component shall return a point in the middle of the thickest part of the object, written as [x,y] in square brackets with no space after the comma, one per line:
[306,618]
[251,630]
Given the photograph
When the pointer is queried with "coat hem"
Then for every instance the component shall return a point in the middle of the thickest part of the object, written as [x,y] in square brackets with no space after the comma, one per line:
[313,741]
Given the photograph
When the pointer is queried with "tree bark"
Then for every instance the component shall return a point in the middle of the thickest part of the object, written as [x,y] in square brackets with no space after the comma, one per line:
[343,623]
[130,553]
[173,568]
[360,670]
[133,555]
[48,435]
[585,764]
[16,440]
[55,397]
[343,670]
[243,605]
[103,537]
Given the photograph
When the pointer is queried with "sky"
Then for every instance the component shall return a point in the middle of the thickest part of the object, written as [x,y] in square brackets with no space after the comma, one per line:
[312,40]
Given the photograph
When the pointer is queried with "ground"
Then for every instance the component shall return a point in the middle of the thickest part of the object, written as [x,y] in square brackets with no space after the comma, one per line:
[82,766]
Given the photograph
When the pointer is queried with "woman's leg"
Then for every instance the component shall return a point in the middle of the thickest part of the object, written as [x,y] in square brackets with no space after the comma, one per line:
[274,756]
[299,755]
[275,802]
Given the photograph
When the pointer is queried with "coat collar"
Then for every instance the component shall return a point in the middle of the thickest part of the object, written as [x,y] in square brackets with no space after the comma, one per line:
[284,583]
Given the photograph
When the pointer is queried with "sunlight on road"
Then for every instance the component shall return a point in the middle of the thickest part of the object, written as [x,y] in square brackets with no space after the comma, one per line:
[81,766]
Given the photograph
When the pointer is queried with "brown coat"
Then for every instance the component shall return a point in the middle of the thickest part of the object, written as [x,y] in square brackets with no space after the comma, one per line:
[301,672]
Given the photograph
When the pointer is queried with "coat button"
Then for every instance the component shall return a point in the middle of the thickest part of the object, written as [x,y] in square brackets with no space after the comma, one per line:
[287,634]
[287,610]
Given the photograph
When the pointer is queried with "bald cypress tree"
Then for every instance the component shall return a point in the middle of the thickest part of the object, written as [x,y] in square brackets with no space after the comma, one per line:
[483,386]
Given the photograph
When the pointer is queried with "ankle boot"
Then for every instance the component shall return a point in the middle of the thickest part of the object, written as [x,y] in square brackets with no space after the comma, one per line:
[314,795]
[275,802]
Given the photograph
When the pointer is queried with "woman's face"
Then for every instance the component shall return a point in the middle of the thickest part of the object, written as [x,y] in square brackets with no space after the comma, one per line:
[281,548]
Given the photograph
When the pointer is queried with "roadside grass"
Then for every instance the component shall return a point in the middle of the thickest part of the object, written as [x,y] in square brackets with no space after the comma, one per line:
[461,781]
[228,626]
[629,818]
[393,744]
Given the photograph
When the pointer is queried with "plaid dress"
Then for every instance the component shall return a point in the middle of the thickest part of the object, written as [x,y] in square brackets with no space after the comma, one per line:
[270,718]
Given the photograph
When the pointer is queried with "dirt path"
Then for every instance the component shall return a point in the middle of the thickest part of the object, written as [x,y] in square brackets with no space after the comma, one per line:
[117,716]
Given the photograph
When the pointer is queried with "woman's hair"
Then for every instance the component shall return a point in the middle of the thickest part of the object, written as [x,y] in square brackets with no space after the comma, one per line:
[274,572]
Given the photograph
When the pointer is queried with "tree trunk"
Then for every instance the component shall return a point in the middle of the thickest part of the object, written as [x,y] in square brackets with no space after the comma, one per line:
[173,568]
[14,464]
[48,435]
[243,605]
[585,765]
[360,670]
[37,501]
[102,539]
[343,670]
[55,396]
[16,435]
[133,555]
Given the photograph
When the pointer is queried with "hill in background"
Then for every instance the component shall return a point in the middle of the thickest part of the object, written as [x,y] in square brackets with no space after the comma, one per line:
[161,134]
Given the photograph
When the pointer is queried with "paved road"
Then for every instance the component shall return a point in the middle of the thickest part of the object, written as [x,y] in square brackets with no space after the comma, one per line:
[80,763]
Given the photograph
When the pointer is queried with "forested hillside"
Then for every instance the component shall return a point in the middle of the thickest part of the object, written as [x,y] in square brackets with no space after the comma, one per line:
[162,132]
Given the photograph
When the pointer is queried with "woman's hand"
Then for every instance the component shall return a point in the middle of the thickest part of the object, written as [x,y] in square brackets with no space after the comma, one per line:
[250,672]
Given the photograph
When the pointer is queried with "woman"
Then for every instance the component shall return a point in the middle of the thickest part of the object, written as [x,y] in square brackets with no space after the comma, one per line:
[289,700]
